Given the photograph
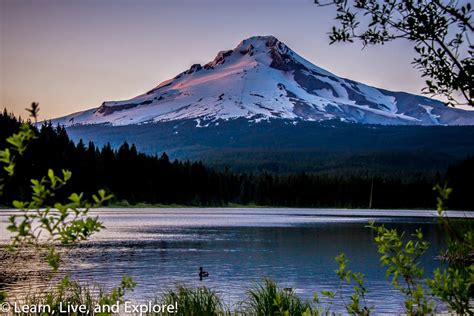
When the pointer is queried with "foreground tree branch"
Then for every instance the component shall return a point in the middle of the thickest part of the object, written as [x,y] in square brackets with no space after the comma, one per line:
[439,30]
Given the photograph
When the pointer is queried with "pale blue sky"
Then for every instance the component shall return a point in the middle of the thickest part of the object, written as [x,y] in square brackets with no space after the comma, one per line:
[73,55]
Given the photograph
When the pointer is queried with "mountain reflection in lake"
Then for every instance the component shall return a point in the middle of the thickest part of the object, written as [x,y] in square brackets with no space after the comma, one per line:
[162,247]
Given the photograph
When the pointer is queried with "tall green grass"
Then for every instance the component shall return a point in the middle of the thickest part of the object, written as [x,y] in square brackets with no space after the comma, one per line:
[199,301]
[71,293]
[266,298]
[263,299]
[67,292]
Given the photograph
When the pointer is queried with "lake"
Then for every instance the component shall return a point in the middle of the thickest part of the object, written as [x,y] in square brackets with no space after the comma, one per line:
[237,246]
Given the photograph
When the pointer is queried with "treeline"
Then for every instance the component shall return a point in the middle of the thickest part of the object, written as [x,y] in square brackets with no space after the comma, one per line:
[139,178]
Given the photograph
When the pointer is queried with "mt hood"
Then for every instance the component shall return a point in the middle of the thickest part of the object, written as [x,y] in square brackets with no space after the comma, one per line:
[263,79]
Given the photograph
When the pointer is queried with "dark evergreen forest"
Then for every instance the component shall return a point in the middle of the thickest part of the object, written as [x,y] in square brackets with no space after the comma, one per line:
[135,177]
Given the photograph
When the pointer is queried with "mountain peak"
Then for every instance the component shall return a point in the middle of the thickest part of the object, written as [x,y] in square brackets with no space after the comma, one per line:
[267,41]
[254,46]
[263,79]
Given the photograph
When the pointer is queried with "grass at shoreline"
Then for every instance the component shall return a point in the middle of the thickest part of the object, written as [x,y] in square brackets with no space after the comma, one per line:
[124,204]
[255,206]
[141,205]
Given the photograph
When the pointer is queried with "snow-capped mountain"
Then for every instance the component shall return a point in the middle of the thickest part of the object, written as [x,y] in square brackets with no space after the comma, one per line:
[263,79]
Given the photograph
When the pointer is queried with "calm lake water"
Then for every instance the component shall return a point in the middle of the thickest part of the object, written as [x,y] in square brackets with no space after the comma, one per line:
[162,247]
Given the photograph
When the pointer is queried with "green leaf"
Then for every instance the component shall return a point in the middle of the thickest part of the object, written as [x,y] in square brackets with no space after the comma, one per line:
[18,204]
[66,175]
[53,259]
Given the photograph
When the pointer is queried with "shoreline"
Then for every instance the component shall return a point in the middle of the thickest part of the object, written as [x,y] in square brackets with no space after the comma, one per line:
[262,210]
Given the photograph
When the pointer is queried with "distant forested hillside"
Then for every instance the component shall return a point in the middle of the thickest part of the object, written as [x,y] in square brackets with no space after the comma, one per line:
[138,177]
[295,146]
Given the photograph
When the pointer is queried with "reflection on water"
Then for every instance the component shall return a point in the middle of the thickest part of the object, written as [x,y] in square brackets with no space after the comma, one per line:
[160,248]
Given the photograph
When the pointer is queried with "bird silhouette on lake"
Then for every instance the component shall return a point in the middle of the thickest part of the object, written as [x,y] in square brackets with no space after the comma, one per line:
[202,274]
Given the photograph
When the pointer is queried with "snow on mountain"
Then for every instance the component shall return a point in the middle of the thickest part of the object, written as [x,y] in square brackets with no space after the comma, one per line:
[263,79]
